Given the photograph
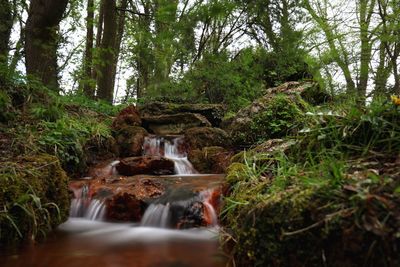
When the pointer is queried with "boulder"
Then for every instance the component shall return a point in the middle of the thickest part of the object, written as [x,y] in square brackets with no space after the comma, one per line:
[146,165]
[200,137]
[129,116]
[129,141]
[210,159]
[278,113]
[175,123]
[213,112]
[124,207]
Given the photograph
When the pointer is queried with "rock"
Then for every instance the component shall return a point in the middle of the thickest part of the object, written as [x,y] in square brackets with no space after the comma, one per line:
[96,150]
[213,112]
[200,137]
[193,216]
[124,207]
[129,116]
[129,141]
[274,115]
[264,151]
[210,159]
[175,123]
[145,165]
[125,198]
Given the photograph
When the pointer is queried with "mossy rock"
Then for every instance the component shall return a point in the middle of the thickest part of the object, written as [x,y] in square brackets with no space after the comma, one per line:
[214,159]
[267,118]
[213,112]
[34,198]
[264,153]
[129,141]
[200,137]
[319,225]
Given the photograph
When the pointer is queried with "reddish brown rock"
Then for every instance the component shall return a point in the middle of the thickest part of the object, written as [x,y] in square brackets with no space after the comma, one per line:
[129,141]
[146,165]
[129,116]
[124,207]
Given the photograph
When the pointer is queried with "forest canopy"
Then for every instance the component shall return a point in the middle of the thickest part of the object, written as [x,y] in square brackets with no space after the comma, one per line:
[217,51]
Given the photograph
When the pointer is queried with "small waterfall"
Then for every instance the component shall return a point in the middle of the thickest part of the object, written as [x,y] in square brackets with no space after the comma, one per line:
[171,149]
[84,207]
[156,215]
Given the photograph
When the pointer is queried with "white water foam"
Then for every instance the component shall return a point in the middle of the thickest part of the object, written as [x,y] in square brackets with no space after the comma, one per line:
[160,146]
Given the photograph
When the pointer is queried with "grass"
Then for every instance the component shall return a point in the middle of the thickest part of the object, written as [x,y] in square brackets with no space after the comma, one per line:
[328,200]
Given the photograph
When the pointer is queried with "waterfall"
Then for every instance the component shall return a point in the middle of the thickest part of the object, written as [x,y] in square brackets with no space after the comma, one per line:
[156,215]
[85,207]
[171,149]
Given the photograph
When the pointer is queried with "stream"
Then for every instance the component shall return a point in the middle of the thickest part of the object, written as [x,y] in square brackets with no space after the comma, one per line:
[177,228]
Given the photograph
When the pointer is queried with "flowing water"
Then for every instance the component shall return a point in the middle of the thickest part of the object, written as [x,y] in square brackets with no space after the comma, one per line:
[171,147]
[86,239]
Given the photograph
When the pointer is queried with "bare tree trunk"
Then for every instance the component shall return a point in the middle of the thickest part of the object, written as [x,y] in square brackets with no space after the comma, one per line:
[88,87]
[99,35]
[107,53]
[41,40]
[120,33]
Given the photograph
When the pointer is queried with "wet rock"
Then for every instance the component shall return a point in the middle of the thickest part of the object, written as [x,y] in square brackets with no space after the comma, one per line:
[210,159]
[129,141]
[174,124]
[146,165]
[124,207]
[193,216]
[213,112]
[129,116]
[200,137]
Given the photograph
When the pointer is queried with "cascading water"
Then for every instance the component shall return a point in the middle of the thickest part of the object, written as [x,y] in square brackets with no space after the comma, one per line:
[171,149]
[83,206]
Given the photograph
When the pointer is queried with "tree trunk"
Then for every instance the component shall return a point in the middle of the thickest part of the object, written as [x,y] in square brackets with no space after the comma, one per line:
[41,40]
[107,53]
[120,33]
[88,87]
[99,35]
[5,31]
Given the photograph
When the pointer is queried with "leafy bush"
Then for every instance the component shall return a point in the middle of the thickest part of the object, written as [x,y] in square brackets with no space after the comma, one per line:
[282,115]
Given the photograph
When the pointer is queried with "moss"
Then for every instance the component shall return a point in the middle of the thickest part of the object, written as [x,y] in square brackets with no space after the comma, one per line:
[312,225]
[34,198]
[235,173]
[276,117]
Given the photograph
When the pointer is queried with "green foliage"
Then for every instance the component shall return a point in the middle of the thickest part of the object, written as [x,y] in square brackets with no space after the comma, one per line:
[353,129]
[282,115]
[84,102]
[66,137]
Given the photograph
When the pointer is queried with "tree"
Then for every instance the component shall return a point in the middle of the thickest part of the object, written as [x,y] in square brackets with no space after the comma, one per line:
[6,23]
[389,12]
[41,40]
[88,87]
[105,90]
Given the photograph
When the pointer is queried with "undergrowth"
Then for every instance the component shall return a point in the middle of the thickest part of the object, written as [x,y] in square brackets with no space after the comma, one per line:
[328,200]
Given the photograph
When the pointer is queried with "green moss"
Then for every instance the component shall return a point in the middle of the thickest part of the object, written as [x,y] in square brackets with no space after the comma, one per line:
[34,198]
[315,223]
[235,173]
